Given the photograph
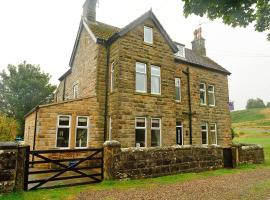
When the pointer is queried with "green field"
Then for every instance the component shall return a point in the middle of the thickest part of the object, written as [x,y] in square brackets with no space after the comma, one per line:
[252,126]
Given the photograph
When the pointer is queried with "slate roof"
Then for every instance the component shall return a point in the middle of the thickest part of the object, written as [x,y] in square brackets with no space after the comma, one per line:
[105,31]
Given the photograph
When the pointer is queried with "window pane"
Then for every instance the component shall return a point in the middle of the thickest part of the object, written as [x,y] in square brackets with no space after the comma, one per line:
[202,97]
[148,35]
[140,138]
[178,123]
[211,99]
[204,137]
[177,82]
[177,93]
[81,137]
[62,137]
[155,138]
[140,82]
[82,121]
[211,88]
[64,121]
[156,123]
[155,70]
[204,127]
[155,84]
[212,127]
[202,86]
[140,122]
[141,67]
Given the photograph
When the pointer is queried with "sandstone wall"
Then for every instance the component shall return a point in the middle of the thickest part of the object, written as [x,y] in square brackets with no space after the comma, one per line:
[137,163]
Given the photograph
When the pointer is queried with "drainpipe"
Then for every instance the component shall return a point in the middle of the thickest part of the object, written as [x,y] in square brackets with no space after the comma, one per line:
[107,46]
[35,134]
[189,105]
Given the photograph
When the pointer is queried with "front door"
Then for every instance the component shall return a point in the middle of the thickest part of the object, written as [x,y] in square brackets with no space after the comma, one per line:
[179,135]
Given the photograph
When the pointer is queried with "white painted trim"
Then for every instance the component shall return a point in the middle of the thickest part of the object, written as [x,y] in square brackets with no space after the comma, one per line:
[177,78]
[69,127]
[145,74]
[207,130]
[83,127]
[142,128]
[144,34]
[154,66]
[214,96]
[110,129]
[155,128]
[89,30]
[203,90]
[112,75]
[215,131]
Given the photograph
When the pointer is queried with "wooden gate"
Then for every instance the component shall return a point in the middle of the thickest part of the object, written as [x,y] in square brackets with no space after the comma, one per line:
[58,168]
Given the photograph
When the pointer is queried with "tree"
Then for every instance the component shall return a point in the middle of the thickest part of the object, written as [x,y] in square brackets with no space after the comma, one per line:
[23,88]
[255,103]
[234,13]
[8,128]
[268,105]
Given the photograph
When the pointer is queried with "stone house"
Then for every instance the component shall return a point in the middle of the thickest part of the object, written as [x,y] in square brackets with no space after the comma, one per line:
[134,85]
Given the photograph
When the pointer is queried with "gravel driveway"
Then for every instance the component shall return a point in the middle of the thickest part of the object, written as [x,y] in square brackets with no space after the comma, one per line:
[247,185]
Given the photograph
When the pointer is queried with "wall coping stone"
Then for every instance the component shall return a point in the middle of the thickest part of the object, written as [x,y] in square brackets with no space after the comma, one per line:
[248,146]
[8,145]
[112,143]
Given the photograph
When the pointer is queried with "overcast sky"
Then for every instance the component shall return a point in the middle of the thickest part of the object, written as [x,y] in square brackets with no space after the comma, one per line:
[43,32]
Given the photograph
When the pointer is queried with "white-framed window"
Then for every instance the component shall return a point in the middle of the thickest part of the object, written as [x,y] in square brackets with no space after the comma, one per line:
[155,132]
[63,131]
[213,133]
[155,80]
[211,95]
[75,91]
[177,89]
[202,94]
[204,130]
[110,129]
[140,132]
[181,51]
[141,77]
[148,35]
[112,76]
[82,126]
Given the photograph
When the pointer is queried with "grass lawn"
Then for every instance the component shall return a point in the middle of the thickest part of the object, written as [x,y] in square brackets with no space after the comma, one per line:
[252,132]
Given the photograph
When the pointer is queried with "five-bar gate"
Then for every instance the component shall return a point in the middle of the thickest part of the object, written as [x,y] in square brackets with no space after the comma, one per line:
[58,168]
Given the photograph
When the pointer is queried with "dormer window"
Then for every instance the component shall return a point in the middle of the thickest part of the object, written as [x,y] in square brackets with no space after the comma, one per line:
[181,51]
[148,35]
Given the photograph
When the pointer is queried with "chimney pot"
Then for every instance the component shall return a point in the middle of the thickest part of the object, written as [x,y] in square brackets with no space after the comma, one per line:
[198,44]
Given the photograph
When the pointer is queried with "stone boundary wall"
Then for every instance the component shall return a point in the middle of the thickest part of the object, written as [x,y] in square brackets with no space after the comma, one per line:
[12,167]
[248,154]
[135,163]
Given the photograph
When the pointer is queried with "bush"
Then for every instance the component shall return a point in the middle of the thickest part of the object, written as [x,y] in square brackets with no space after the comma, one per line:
[8,128]
[255,103]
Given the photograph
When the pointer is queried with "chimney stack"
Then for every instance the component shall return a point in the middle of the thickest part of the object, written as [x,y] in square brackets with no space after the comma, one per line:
[89,10]
[198,44]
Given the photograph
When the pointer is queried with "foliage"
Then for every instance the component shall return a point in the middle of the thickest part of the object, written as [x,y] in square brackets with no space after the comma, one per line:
[234,134]
[23,88]
[234,13]
[8,128]
[255,103]
[268,105]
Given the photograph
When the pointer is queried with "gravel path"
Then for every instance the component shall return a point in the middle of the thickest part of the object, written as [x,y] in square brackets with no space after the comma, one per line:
[253,185]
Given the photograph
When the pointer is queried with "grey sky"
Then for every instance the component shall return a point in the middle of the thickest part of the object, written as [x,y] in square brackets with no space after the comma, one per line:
[43,32]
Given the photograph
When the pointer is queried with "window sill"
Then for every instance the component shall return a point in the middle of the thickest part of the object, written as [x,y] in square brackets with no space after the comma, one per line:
[148,44]
[148,94]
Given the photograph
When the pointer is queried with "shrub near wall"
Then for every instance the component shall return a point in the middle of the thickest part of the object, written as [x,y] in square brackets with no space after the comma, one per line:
[137,163]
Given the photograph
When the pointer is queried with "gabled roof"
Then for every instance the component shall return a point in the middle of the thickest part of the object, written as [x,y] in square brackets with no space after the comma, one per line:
[203,61]
[103,31]
[140,20]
